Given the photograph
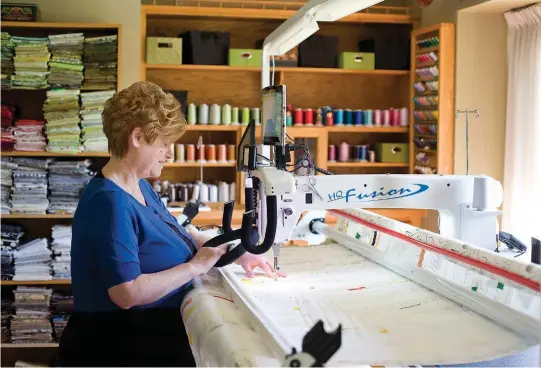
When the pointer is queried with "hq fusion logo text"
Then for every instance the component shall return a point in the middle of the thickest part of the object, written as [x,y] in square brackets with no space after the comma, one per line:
[383,194]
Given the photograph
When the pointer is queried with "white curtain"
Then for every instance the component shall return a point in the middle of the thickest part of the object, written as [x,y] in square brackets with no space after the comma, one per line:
[522,173]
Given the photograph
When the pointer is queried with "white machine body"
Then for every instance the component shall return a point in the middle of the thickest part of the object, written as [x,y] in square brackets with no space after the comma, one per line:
[467,205]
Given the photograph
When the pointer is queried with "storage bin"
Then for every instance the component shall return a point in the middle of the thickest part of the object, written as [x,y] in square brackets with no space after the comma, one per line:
[164,50]
[392,152]
[245,57]
[290,58]
[205,47]
[17,12]
[356,60]
[318,52]
[391,45]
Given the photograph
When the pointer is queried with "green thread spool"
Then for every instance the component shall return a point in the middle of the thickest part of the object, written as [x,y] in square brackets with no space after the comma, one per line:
[226,114]
[245,116]
[192,114]
[235,116]
[255,115]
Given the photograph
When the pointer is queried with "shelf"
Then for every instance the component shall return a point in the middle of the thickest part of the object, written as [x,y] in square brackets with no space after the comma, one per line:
[34,282]
[366,164]
[80,25]
[434,136]
[15,216]
[255,69]
[365,129]
[425,150]
[83,89]
[375,14]
[425,50]
[29,345]
[53,154]
[213,128]
[196,164]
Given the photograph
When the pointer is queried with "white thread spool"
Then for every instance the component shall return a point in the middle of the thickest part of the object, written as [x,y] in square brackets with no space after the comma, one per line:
[195,193]
[232,191]
[404,116]
[180,154]
[203,114]
[223,192]
[203,192]
[215,114]
[213,193]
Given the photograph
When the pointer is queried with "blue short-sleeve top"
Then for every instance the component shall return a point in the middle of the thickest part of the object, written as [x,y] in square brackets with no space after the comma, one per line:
[115,239]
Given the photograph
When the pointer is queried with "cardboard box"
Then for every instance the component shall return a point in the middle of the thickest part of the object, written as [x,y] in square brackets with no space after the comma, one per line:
[357,60]
[164,50]
[245,57]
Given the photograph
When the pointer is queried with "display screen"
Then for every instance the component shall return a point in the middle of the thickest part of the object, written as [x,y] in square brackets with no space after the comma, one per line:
[273,111]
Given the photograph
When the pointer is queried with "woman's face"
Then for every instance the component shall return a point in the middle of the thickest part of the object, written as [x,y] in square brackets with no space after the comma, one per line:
[150,157]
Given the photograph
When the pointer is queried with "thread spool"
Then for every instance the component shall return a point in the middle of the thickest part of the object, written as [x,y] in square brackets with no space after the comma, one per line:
[332,153]
[172,158]
[324,115]
[190,153]
[173,193]
[358,117]
[215,114]
[222,153]
[180,154]
[232,191]
[204,193]
[256,115]
[289,115]
[182,193]
[235,116]
[192,114]
[355,152]
[245,119]
[196,191]
[378,118]
[363,153]
[329,118]
[387,117]
[231,149]
[157,186]
[213,193]
[348,116]
[201,153]
[298,118]
[308,117]
[226,114]
[395,117]
[203,114]
[343,154]
[211,153]
[404,117]
[223,192]
[371,156]
[368,117]
[338,117]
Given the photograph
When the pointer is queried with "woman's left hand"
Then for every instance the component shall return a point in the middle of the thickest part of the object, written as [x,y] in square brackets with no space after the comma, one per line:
[250,261]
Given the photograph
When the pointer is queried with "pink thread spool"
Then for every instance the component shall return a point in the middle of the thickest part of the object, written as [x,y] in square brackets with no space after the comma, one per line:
[343,154]
[332,153]
[395,117]
[387,117]
[404,116]
[377,117]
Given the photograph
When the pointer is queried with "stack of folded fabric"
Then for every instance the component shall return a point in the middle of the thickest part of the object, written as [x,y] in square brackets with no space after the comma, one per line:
[66,180]
[92,103]
[29,191]
[33,261]
[7,67]
[7,310]
[62,307]
[29,135]
[8,117]
[31,321]
[61,247]
[31,62]
[100,60]
[61,110]
[11,237]
[6,168]
[66,66]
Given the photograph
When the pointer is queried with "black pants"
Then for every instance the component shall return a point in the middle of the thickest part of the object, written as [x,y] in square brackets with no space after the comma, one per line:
[137,338]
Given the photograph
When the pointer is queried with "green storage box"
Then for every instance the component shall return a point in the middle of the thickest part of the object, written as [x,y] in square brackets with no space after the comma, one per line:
[164,50]
[357,60]
[392,152]
[245,57]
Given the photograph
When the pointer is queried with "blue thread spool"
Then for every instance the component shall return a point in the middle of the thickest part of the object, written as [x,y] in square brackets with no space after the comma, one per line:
[363,153]
[357,153]
[338,117]
[358,117]
[368,117]
[348,118]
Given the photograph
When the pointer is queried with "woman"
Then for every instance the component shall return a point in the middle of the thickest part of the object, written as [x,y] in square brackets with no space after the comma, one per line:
[131,261]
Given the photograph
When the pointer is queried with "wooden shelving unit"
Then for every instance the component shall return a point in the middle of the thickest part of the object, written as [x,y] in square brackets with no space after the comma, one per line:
[426,132]
[30,104]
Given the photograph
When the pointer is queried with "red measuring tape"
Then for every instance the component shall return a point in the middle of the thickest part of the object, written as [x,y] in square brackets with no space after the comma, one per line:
[531,284]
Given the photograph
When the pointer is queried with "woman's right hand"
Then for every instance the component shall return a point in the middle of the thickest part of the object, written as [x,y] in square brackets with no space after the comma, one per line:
[206,258]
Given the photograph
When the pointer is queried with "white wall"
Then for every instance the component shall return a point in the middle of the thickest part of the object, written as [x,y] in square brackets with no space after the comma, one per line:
[124,12]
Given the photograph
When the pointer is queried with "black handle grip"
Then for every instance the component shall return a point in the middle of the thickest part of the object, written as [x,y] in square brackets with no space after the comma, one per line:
[249,199]
[228,215]
[270,232]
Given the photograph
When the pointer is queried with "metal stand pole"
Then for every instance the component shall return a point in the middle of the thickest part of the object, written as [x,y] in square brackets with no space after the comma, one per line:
[467,112]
